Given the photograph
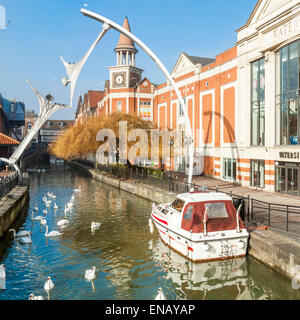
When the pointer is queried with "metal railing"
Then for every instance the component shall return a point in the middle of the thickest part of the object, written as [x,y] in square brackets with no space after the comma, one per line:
[170,182]
[284,218]
[7,184]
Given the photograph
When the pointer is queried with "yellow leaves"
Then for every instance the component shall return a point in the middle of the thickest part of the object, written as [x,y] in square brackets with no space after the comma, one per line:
[80,140]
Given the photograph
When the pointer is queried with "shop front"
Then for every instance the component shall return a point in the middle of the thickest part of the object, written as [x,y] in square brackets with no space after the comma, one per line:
[288,177]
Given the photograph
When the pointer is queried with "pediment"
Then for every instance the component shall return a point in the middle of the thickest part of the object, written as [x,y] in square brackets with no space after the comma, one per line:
[182,66]
[264,8]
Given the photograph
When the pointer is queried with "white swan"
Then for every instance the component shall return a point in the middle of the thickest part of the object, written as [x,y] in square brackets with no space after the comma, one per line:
[45,212]
[48,203]
[44,198]
[2,271]
[25,239]
[63,222]
[33,297]
[36,218]
[52,233]
[36,208]
[95,225]
[160,295]
[90,274]
[55,206]
[43,221]
[48,284]
[22,233]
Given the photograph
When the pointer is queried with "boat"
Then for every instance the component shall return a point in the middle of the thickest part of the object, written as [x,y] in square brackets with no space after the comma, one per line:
[202,226]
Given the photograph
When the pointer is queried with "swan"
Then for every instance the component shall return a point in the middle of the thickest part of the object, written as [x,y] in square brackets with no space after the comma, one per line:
[23,233]
[90,274]
[63,222]
[44,198]
[48,284]
[36,208]
[52,233]
[2,271]
[45,212]
[25,239]
[55,206]
[160,295]
[43,221]
[95,225]
[48,203]
[33,297]
[37,218]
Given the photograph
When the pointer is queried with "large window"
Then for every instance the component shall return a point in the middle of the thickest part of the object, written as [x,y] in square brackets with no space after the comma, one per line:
[258,173]
[287,98]
[258,103]
[229,169]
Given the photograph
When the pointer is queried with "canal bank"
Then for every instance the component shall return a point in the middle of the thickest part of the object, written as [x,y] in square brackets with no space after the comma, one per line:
[11,206]
[275,250]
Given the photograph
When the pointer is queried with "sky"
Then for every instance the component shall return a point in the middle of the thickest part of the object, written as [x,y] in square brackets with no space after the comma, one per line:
[41,31]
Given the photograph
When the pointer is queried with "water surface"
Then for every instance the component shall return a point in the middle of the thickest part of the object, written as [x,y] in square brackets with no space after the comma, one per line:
[132,264]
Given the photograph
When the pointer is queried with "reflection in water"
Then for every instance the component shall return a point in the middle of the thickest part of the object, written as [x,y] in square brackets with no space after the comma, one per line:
[131,262]
[207,280]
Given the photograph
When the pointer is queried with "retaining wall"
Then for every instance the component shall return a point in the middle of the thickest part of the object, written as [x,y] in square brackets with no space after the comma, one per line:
[11,206]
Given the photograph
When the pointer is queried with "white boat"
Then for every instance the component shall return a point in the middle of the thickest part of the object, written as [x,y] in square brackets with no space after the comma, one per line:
[202,226]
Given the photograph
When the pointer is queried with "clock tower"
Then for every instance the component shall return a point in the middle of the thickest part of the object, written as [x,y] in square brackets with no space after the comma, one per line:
[125,74]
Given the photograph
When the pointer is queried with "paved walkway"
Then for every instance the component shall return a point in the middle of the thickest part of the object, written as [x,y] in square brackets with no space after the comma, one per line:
[270,197]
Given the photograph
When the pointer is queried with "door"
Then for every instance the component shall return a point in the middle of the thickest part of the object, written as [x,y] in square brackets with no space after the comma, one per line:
[292,181]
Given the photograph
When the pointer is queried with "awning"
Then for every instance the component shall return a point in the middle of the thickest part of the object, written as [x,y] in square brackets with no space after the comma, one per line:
[7,141]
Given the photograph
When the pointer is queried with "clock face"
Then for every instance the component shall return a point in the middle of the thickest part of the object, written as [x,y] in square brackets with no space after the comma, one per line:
[119,79]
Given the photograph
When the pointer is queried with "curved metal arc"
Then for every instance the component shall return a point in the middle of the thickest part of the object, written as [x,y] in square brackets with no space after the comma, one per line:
[128,34]
[73,70]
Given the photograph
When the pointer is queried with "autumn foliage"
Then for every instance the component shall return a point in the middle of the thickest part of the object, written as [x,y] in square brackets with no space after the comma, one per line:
[80,140]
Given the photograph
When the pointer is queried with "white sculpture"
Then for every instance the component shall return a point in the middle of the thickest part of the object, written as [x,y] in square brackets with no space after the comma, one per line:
[73,69]
[46,110]
[190,139]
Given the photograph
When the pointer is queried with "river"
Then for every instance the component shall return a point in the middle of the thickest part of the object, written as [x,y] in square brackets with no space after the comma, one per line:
[131,262]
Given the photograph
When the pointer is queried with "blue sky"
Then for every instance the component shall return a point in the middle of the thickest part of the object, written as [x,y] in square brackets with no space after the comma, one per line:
[43,30]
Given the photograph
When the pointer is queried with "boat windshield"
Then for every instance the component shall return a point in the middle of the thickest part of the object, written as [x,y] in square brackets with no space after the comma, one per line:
[177,204]
[216,210]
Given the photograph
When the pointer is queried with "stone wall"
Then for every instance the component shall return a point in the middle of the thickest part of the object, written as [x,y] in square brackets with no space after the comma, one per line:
[10,207]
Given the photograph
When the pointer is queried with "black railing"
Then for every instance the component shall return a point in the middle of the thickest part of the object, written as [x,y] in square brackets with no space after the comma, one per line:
[169,182]
[285,218]
[7,184]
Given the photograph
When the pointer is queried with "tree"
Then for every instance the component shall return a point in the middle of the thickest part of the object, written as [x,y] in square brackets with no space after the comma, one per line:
[80,140]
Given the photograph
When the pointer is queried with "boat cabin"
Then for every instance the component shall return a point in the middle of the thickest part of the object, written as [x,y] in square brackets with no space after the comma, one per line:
[204,212]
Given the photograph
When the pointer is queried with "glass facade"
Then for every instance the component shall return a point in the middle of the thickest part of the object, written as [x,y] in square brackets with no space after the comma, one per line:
[287,95]
[258,103]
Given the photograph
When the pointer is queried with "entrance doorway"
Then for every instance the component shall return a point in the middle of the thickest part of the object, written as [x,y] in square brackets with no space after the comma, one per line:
[287,180]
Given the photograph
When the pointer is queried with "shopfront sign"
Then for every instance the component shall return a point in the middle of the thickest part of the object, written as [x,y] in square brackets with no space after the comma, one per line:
[289,155]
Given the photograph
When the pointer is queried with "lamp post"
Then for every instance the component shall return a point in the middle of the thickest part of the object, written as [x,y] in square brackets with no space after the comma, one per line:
[171,143]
